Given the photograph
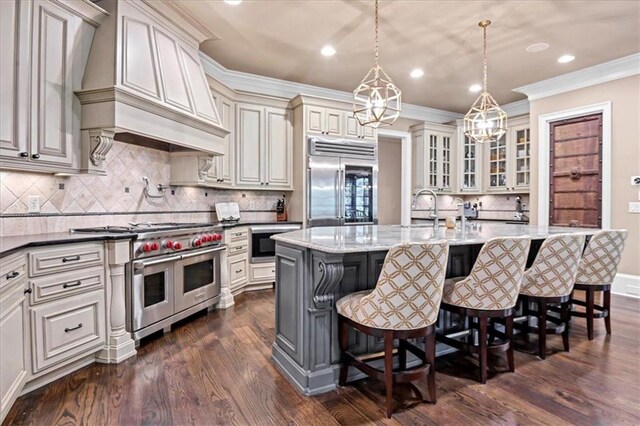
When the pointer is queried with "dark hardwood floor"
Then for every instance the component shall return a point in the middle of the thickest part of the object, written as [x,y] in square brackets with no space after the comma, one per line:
[217,369]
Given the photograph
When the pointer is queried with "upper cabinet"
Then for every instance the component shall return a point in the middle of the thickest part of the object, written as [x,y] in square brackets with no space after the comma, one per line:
[353,129]
[264,147]
[469,165]
[335,122]
[221,174]
[45,46]
[433,157]
[508,159]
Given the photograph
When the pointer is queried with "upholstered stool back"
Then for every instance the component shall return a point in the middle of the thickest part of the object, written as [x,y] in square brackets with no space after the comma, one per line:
[494,281]
[408,292]
[554,270]
[600,259]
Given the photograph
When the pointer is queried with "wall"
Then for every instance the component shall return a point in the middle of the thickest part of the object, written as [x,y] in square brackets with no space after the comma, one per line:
[389,180]
[624,95]
[116,199]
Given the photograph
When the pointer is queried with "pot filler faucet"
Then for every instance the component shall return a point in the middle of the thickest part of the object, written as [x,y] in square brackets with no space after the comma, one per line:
[434,215]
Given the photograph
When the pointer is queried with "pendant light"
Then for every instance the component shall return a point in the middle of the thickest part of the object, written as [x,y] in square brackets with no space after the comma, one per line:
[376,101]
[485,121]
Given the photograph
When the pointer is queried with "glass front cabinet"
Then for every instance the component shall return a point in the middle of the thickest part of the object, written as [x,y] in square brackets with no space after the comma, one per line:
[434,153]
[469,164]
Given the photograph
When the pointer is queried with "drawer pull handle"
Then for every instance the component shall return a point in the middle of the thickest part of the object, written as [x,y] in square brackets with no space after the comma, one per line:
[67,330]
[238,271]
[237,235]
[239,248]
[70,259]
[76,284]
[12,274]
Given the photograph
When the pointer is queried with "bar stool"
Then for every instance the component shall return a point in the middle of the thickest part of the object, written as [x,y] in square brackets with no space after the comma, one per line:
[404,305]
[550,279]
[490,291]
[596,272]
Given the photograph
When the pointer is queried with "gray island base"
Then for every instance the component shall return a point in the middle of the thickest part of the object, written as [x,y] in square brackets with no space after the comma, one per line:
[317,266]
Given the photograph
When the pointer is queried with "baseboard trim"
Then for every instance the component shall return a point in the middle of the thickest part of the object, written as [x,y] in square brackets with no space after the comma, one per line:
[626,285]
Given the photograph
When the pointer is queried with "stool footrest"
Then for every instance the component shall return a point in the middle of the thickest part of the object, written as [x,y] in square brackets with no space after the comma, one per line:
[362,363]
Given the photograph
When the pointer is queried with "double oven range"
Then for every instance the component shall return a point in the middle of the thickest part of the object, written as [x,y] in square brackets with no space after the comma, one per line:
[174,272]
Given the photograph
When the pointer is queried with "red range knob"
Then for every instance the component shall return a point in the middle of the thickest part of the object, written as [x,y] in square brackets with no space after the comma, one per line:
[169,244]
[217,237]
[155,246]
[206,238]
[197,242]
[146,247]
[177,246]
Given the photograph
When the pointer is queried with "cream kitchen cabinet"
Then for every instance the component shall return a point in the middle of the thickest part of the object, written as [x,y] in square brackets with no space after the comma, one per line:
[43,59]
[13,305]
[264,147]
[326,121]
[237,257]
[433,157]
[353,129]
[508,159]
[221,173]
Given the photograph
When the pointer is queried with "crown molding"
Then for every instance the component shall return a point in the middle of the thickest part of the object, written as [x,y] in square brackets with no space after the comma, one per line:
[618,68]
[253,83]
[517,108]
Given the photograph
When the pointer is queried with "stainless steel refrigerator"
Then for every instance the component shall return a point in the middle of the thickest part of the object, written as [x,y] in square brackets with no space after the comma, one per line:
[342,182]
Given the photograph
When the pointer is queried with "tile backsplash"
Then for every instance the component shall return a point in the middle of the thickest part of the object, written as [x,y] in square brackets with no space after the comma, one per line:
[491,206]
[83,200]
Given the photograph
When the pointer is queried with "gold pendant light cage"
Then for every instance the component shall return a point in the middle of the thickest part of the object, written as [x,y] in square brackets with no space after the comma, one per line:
[376,100]
[485,121]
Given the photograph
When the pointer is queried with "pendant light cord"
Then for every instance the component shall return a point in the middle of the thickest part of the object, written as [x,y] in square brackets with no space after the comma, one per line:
[376,26]
[484,80]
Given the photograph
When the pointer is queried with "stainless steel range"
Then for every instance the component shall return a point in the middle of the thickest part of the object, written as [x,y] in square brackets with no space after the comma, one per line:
[174,272]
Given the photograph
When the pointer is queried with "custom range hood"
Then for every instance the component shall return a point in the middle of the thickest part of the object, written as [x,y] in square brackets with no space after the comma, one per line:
[144,79]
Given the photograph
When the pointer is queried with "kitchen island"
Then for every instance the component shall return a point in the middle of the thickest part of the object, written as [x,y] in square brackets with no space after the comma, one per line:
[317,266]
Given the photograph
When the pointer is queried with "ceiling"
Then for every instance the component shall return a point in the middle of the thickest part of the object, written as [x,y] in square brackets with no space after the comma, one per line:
[283,38]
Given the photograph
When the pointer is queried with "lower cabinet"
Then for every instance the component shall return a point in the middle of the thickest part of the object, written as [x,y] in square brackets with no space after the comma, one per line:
[263,272]
[237,271]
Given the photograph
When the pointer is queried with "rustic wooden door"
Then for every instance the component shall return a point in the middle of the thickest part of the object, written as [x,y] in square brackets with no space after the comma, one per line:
[576,172]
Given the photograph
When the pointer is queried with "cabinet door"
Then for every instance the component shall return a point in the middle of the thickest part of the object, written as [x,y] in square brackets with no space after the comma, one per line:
[351,126]
[498,165]
[469,165]
[11,82]
[446,163]
[278,147]
[521,164]
[221,172]
[13,371]
[52,84]
[433,157]
[315,119]
[334,122]
[368,132]
[249,144]
[419,157]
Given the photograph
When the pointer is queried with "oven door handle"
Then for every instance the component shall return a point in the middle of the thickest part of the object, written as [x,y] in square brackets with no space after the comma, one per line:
[201,252]
[141,264]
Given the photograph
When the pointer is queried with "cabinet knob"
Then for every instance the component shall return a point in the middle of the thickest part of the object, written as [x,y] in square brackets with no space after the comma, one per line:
[24,154]
[267,183]
[261,183]
[35,156]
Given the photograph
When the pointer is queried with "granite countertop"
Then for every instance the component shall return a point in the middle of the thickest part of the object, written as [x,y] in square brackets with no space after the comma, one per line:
[9,245]
[227,225]
[364,238]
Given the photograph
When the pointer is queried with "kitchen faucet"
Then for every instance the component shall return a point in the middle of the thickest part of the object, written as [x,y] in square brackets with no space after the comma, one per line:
[434,215]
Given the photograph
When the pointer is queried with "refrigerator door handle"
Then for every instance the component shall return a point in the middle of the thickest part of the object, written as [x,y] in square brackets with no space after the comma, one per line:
[341,197]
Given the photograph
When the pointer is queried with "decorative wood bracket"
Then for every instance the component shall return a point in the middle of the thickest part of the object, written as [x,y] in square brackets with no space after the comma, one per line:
[204,165]
[331,276]
[101,143]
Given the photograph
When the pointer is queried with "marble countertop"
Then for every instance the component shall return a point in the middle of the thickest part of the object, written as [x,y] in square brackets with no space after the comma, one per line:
[9,245]
[364,238]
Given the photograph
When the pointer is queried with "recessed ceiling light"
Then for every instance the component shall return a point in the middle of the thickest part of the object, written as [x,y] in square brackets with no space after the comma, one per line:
[475,88]
[233,2]
[566,58]
[537,47]
[416,73]
[328,51]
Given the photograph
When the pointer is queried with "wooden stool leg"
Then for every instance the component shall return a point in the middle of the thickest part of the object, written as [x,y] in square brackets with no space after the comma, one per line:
[343,339]
[388,370]
[483,349]
[606,303]
[508,331]
[590,309]
[430,357]
[565,316]
[542,329]
[492,329]
[402,354]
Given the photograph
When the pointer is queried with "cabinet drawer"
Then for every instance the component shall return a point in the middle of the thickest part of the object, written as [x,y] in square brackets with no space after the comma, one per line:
[64,258]
[12,268]
[237,235]
[237,249]
[67,284]
[63,329]
[263,272]
[237,270]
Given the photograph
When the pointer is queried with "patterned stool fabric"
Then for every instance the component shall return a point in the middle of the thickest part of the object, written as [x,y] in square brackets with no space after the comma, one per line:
[554,270]
[600,260]
[408,293]
[494,281]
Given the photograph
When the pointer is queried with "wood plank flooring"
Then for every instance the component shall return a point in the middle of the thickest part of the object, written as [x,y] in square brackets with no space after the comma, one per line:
[217,369]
